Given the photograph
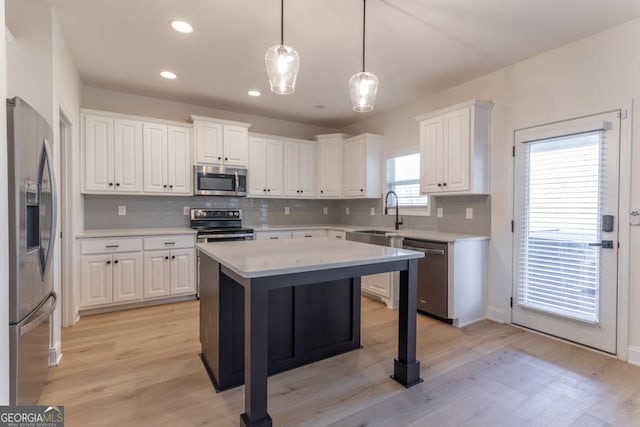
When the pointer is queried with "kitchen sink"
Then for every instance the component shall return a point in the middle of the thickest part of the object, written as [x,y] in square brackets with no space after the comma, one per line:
[373,237]
[376,232]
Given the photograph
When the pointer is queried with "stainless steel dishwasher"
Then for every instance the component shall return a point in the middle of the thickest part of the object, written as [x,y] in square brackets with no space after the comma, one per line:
[433,295]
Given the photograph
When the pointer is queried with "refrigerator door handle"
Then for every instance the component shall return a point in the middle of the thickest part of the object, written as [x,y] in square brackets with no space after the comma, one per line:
[46,161]
[31,325]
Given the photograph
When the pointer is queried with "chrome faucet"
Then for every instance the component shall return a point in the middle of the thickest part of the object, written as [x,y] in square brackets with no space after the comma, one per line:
[386,208]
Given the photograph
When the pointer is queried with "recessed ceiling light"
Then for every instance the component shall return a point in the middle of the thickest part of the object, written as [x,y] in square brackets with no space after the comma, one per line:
[182,27]
[254,93]
[168,75]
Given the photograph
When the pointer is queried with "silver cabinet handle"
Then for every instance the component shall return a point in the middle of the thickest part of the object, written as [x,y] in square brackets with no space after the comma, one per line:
[112,246]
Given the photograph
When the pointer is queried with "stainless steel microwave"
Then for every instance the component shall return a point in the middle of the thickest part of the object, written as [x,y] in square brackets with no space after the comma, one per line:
[219,181]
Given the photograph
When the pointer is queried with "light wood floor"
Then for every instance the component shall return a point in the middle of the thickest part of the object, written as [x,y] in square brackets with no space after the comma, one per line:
[141,368]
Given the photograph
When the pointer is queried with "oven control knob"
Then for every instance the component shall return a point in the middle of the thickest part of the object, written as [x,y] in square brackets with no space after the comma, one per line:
[236,214]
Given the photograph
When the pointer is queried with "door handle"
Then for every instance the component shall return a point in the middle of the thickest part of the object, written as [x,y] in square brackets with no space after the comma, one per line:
[25,329]
[605,244]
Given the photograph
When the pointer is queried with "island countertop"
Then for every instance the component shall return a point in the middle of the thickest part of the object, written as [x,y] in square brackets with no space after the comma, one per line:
[263,258]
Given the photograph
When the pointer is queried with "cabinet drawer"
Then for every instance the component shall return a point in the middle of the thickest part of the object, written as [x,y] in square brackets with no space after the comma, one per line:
[101,246]
[302,234]
[272,235]
[168,242]
[335,234]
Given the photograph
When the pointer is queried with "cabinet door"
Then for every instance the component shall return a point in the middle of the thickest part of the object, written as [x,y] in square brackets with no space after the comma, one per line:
[128,162]
[353,166]
[155,158]
[257,170]
[183,271]
[431,156]
[96,278]
[330,167]
[275,166]
[127,277]
[208,142]
[236,142]
[157,270]
[456,150]
[291,169]
[272,235]
[307,169]
[98,153]
[378,284]
[179,160]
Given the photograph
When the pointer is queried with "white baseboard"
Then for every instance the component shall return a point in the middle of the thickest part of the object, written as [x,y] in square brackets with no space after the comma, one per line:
[496,314]
[634,355]
[55,354]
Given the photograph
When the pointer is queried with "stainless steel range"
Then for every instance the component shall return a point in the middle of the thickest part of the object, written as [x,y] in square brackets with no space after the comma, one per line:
[218,225]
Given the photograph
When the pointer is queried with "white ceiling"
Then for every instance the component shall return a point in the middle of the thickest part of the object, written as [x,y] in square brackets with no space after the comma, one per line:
[416,47]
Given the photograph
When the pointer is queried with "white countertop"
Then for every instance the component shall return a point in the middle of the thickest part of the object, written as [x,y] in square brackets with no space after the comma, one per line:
[437,236]
[262,258]
[134,232]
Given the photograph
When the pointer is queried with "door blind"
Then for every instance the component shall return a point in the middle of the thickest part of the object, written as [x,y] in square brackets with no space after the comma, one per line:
[559,270]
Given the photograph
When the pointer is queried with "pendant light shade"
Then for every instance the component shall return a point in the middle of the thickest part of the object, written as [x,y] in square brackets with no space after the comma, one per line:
[363,86]
[283,63]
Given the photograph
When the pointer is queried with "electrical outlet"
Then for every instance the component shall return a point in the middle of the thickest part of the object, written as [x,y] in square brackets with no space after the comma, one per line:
[185,210]
[634,217]
[347,211]
[373,211]
[122,210]
[287,211]
[325,211]
[468,213]
[440,213]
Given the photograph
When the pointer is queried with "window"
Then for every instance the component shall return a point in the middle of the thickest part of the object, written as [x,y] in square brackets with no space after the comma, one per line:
[403,177]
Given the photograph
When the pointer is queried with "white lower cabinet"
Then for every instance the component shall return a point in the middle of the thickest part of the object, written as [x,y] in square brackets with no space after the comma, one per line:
[377,284]
[169,273]
[337,234]
[111,278]
[117,271]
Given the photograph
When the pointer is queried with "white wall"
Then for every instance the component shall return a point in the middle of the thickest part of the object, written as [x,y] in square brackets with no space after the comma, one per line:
[589,76]
[29,55]
[42,71]
[4,231]
[67,88]
[120,102]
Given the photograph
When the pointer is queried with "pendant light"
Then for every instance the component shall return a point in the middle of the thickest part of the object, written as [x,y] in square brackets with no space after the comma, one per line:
[283,63]
[364,85]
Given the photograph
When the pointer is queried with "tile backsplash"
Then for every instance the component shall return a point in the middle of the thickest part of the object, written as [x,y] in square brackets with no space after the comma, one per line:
[101,212]
[453,209]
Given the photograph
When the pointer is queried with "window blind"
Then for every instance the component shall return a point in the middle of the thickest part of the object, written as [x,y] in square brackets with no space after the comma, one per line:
[403,177]
[559,270]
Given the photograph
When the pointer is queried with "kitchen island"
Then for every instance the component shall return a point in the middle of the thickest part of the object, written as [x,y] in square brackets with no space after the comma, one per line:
[272,305]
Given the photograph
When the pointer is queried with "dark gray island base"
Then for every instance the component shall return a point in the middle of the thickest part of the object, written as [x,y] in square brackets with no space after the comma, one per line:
[259,317]
[305,324]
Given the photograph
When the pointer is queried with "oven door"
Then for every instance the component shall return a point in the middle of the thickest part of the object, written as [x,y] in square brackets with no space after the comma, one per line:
[219,181]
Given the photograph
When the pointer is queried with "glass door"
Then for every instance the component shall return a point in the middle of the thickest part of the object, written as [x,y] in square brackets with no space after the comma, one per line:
[565,247]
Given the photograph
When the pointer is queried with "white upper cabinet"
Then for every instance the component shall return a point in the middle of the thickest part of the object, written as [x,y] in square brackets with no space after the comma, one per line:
[167,159]
[299,168]
[265,166]
[454,149]
[361,166]
[330,165]
[221,142]
[112,154]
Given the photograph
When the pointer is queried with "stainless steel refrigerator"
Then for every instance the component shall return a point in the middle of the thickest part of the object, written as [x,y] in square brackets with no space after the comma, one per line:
[32,223]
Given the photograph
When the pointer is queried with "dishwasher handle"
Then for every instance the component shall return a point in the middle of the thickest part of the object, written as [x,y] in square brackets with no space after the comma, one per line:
[425,250]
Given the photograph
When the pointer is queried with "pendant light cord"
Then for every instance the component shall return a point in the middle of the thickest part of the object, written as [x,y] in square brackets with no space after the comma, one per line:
[364,29]
[281,22]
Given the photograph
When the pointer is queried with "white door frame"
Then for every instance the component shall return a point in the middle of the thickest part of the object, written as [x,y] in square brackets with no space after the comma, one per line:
[624,207]
[66,218]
